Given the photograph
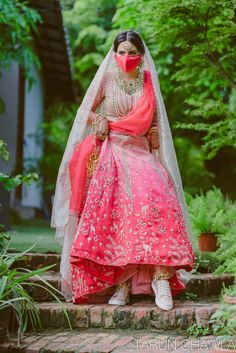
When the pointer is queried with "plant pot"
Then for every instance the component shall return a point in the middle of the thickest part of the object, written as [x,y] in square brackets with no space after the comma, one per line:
[229,299]
[208,242]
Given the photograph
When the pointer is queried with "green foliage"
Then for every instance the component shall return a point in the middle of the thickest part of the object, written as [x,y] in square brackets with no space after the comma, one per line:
[6,180]
[218,135]
[3,236]
[37,232]
[190,160]
[223,321]
[85,66]
[10,183]
[227,252]
[56,128]
[205,262]
[190,296]
[89,23]
[4,154]
[212,212]
[89,36]
[17,24]
[197,330]
[82,14]
[2,105]
[13,293]
[229,291]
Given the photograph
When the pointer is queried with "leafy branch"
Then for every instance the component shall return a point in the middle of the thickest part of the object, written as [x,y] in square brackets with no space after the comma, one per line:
[10,182]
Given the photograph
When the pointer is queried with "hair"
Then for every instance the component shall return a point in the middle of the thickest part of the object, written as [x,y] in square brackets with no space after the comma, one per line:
[132,37]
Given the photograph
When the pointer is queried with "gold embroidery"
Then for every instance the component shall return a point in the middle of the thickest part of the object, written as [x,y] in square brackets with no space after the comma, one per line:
[92,161]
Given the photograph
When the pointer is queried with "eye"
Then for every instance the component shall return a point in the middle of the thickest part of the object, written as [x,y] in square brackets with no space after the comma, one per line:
[121,52]
[133,52]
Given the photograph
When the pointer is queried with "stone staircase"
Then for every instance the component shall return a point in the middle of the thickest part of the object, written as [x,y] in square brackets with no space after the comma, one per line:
[118,327]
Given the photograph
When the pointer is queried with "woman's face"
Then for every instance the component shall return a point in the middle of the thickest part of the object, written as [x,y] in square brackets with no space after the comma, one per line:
[127,47]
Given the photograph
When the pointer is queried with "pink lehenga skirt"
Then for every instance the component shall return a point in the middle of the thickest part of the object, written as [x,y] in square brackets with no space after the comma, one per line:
[131,221]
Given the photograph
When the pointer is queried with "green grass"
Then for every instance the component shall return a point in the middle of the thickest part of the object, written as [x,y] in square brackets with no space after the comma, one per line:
[27,233]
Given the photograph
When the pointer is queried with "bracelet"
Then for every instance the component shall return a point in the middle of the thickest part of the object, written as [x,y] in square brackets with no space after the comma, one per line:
[99,117]
[157,148]
[153,129]
[95,121]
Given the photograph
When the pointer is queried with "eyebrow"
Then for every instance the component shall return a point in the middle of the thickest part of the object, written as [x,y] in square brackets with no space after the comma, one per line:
[122,50]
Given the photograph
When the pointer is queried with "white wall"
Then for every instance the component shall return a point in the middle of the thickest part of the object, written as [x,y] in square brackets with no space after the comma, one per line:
[33,145]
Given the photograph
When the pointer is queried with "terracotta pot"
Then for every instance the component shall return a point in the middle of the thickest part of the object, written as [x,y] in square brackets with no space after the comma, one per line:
[229,299]
[208,242]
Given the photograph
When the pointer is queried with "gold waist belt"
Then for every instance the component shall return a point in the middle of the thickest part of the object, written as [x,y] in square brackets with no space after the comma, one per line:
[123,133]
[119,133]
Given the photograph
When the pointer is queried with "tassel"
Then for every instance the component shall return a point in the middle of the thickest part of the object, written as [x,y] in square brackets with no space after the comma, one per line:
[93,161]
[94,156]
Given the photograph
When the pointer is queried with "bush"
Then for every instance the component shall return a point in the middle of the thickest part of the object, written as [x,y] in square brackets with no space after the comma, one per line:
[211,213]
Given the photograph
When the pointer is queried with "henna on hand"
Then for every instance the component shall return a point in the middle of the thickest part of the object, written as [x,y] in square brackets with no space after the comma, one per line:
[102,129]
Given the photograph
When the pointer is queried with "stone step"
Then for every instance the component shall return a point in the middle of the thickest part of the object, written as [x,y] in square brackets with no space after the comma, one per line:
[116,341]
[139,315]
[33,261]
[200,285]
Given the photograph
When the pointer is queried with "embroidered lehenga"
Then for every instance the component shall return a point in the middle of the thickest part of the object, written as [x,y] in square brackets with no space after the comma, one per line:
[129,217]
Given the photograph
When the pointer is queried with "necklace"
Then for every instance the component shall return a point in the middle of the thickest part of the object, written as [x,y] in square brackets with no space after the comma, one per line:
[121,100]
[128,87]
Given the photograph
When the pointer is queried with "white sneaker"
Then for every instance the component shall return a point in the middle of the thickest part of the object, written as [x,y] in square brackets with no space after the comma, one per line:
[163,294]
[121,295]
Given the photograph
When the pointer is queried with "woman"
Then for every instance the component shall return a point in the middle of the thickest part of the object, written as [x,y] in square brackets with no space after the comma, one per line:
[119,206]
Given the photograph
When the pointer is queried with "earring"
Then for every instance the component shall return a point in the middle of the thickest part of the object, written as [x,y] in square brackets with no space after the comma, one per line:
[141,64]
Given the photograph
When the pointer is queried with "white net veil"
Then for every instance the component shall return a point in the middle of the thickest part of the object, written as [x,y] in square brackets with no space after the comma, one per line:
[62,219]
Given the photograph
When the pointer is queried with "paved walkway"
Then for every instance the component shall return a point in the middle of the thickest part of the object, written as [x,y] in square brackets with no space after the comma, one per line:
[117,341]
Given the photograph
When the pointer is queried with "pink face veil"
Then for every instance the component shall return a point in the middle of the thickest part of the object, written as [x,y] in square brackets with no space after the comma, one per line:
[128,62]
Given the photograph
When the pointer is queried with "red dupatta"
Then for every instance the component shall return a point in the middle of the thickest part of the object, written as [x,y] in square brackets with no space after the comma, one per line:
[139,119]
[136,122]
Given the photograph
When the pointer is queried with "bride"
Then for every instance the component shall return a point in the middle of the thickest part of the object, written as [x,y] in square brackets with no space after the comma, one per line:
[119,208]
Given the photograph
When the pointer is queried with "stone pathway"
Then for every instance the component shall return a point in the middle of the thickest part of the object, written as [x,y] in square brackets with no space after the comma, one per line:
[117,341]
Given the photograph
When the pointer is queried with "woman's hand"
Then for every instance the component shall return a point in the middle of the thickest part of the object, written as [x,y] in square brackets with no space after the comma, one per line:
[154,140]
[154,143]
[102,129]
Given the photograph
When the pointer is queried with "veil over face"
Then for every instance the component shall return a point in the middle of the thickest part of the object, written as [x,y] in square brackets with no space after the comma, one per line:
[62,219]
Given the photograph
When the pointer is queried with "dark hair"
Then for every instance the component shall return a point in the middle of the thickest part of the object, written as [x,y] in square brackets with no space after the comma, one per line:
[132,37]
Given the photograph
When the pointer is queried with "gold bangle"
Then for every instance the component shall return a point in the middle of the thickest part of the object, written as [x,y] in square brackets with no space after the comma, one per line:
[100,117]
[96,119]
[153,129]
